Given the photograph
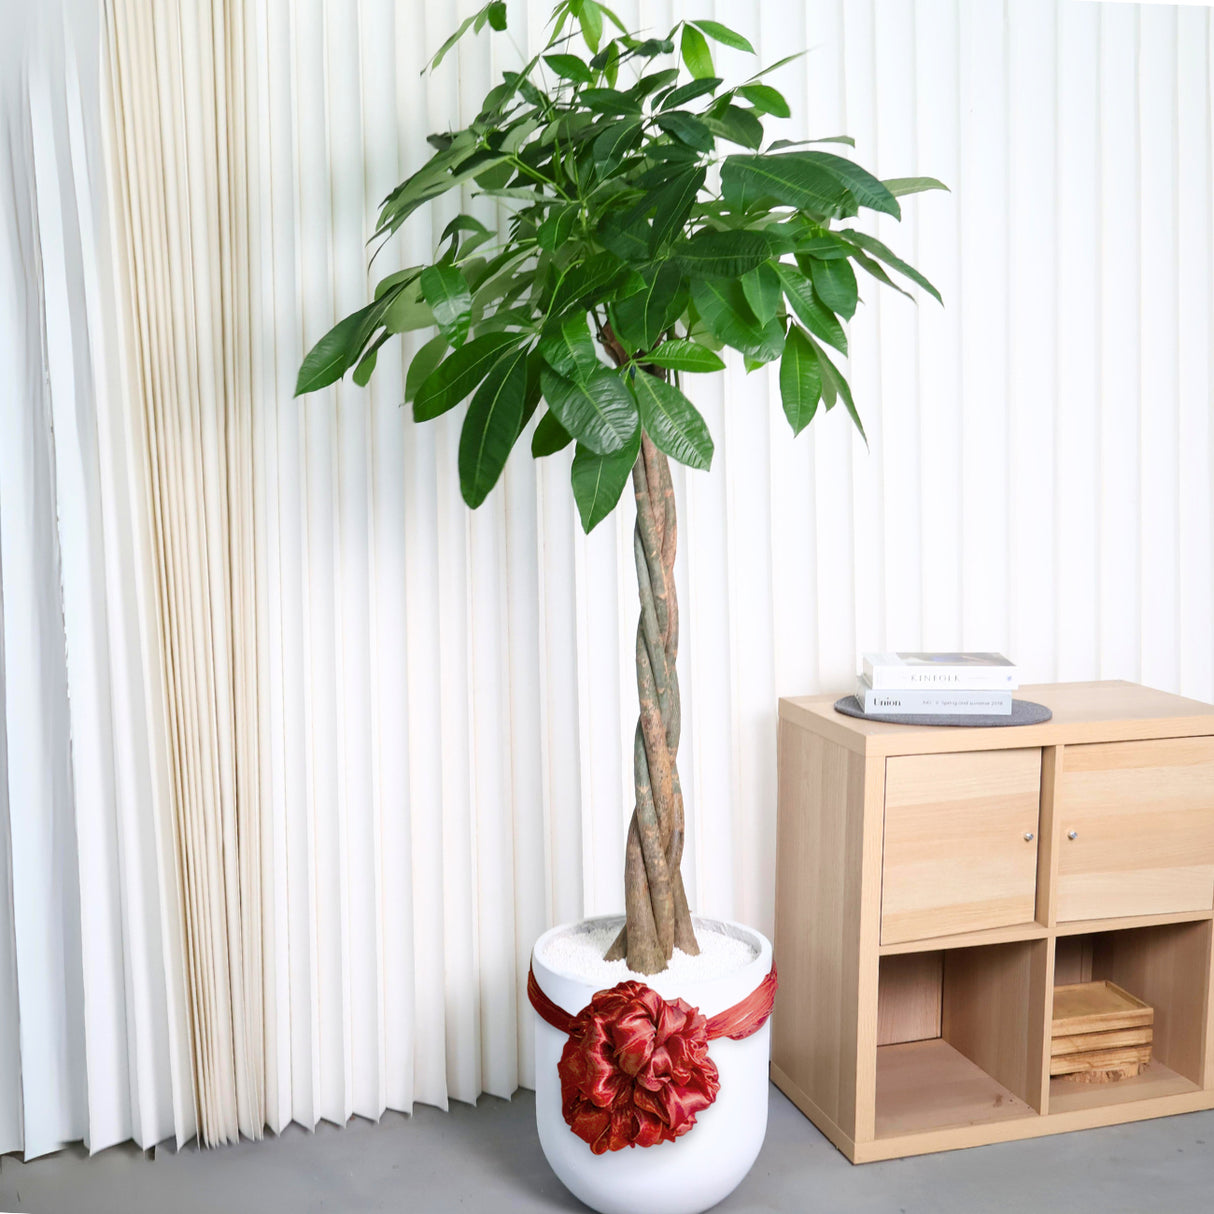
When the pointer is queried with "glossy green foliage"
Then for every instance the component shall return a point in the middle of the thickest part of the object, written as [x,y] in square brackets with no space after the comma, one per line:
[644,222]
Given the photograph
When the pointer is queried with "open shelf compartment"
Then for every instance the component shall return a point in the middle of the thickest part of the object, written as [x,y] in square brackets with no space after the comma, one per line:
[1166,966]
[960,1035]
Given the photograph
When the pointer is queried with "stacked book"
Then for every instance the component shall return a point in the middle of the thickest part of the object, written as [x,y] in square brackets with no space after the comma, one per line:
[937,684]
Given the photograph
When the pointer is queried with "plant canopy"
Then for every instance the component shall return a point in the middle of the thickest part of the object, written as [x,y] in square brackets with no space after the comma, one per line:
[647,218]
[645,223]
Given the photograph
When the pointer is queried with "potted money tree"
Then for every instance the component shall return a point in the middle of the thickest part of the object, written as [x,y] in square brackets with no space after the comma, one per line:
[648,224]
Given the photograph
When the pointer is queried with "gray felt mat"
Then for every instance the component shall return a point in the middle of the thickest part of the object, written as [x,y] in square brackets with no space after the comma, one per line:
[1024,712]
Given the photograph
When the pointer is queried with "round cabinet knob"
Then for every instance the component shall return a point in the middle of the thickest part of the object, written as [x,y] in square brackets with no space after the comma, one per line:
[1072,834]
[1028,836]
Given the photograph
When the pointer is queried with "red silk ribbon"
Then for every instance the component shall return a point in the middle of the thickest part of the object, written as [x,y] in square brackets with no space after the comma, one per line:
[635,1070]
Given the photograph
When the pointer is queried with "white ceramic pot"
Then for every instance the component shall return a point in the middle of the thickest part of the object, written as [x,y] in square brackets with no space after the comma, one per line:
[707,1163]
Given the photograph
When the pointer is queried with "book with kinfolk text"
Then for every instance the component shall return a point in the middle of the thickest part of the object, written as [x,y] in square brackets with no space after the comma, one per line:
[967,671]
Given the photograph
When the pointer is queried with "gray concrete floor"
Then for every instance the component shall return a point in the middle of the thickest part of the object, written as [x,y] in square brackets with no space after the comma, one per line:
[488,1158]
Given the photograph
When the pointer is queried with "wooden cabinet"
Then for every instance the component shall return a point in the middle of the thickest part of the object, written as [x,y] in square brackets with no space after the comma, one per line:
[1137,823]
[933,884]
[960,850]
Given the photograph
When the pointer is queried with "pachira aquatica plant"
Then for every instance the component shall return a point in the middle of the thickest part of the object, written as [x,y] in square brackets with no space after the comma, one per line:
[646,223]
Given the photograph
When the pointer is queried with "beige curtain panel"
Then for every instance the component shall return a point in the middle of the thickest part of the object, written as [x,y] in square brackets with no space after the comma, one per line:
[181,205]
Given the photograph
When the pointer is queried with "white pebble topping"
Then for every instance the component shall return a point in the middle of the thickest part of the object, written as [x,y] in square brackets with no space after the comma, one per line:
[578,954]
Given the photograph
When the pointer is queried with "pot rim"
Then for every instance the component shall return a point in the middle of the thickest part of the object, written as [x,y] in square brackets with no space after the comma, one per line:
[700,988]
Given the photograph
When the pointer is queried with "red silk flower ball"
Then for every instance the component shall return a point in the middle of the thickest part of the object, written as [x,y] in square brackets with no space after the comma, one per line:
[636,1070]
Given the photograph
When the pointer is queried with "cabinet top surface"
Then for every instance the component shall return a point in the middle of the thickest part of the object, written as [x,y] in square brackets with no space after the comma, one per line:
[1083,712]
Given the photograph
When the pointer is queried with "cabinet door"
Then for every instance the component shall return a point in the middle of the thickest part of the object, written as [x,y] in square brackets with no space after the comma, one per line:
[960,842]
[1136,828]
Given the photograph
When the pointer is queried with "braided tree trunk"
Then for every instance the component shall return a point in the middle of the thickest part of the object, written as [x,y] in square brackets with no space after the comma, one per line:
[658,919]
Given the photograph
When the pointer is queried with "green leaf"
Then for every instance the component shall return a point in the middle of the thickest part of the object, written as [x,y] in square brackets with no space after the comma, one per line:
[765,99]
[599,480]
[569,349]
[696,53]
[441,53]
[585,279]
[549,437]
[598,411]
[834,382]
[689,92]
[461,249]
[654,82]
[876,269]
[679,354]
[673,203]
[335,353]
[408,310]
[501,276]
[711,254]
[835,283]
[398,278]
[810,310]
[723,34]
[826,246]
[627,233]
[557,227]
[441,173]
[651,47]
[878,250]
[444,289]
[787,178]
[672,421]
[615,140]
[591,21]
[798,143]
[422,363]
[494,174]
[761,287]
[611,68]
[491,426]
[640,319]
[366,364]
[800,379]
[611,17]
[518,134]
[859,183]
[900,186]
[454,378]
[779,63]
[497,15]
[687,129]
[726,314]
[737,125]
[570,67]
[610,101]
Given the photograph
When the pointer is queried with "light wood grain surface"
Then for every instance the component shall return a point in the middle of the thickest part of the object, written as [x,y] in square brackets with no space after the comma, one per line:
[1136,821]
[910,998]
[1083,712]
[1092,1007]
[920,950]
[960,842]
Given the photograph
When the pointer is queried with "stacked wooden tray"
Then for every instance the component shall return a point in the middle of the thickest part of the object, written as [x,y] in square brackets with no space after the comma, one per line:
[1101,1033]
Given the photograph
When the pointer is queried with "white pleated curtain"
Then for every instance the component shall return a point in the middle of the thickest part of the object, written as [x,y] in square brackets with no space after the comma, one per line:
[384,764]
[94,1045]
